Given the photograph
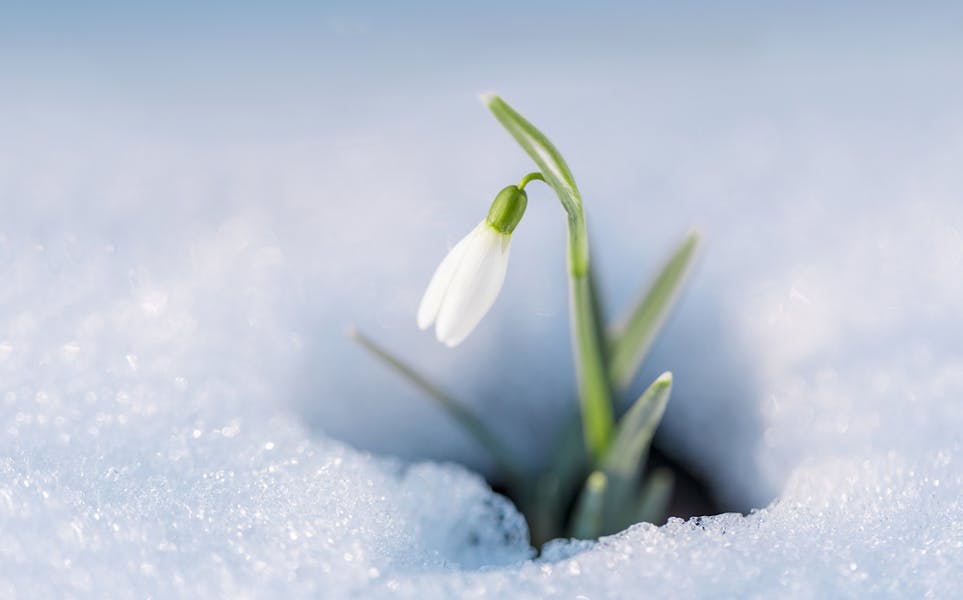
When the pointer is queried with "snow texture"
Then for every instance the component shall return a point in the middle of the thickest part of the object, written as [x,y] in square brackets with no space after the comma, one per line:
[181,416]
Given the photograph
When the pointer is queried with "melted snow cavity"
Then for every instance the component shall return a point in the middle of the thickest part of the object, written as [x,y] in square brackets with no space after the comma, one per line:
[149,446]
[180,415]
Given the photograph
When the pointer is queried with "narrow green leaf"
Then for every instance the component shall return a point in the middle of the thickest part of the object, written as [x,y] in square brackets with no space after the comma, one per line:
[464,417]
[634,432]
[633,339]
[587,520]
[625,458]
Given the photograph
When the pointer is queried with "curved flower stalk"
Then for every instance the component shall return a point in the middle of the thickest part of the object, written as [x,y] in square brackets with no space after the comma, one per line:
[468,280]
[595,394]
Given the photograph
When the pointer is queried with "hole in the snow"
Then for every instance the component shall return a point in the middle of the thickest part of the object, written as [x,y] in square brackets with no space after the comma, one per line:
[691,495]
[712,425]
[711,428]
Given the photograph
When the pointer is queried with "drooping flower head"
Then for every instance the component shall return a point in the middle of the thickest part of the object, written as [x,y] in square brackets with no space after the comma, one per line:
[468,280]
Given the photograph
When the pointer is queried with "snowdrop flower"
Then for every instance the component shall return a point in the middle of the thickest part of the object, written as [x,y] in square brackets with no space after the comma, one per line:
[468,280]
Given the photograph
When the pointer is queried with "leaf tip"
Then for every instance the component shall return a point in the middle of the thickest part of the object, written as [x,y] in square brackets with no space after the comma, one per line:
[489,97]
[597,481]
[694,237]
[665,379]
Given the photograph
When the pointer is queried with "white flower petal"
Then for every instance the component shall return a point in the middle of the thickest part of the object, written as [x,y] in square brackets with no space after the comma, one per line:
[475,284]
[438,286]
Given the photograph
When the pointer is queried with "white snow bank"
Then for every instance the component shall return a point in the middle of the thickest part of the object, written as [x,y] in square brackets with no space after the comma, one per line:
[173,292]
[148,447]
[125,502]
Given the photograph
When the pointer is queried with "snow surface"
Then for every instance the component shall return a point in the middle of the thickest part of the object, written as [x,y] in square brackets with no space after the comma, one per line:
[175,282]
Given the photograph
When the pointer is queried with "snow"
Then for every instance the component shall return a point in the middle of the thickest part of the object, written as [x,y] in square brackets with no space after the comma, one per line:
[182,416]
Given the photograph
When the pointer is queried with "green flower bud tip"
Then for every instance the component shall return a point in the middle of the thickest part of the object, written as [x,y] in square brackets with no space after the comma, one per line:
[507,209]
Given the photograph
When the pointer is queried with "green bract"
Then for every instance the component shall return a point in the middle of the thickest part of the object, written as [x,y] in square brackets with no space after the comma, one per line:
[595,483]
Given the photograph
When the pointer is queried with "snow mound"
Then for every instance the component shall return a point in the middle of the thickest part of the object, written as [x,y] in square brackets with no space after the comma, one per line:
[145,451]
[126,498]
[181,416]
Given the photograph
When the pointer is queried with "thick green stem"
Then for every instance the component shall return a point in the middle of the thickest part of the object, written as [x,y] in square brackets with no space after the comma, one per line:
[597,419]
[593,382]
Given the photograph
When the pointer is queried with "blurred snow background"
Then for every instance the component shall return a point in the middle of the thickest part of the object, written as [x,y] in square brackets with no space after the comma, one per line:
[195,202]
